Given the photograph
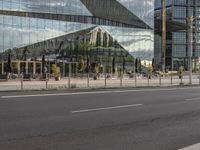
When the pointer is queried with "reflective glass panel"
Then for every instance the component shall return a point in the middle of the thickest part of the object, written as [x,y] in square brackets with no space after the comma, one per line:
[73,7]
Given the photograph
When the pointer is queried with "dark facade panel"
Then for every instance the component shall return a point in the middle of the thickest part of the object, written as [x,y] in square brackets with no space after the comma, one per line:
[113,10]
[69,18]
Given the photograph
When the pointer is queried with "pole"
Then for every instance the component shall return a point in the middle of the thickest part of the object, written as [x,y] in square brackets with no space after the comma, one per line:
[121,78]
[22,84]
[63,67]
[199,79]
[135,79]
[69,76]
[148,76]
[163,34]
[160,80]
[88,80]
[105,81]
[171,79]
[46,80]
[190,47]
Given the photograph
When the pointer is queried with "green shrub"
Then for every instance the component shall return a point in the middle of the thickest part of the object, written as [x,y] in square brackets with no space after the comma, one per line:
[56,72]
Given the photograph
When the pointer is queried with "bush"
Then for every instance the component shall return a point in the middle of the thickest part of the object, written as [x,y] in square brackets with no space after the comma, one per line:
[180,72]
[56,72]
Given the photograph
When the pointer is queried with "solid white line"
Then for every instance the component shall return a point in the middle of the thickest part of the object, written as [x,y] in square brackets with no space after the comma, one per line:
[54,94]
[89,93]
[105,108]
[193,147]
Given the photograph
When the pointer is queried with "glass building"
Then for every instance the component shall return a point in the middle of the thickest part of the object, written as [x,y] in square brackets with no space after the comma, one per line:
[32,31]
[177,39]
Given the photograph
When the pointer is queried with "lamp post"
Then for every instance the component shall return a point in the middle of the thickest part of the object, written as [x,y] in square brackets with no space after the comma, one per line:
[164,37]
[190,46]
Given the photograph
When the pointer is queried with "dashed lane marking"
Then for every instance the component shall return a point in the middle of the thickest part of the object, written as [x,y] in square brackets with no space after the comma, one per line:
[193,99]
[105,108]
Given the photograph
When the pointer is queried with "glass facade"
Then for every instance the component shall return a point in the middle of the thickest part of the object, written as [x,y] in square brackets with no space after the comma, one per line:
[74,7]
[58,29]
[177,47]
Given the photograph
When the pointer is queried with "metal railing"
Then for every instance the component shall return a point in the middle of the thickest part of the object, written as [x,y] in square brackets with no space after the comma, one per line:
[92,80]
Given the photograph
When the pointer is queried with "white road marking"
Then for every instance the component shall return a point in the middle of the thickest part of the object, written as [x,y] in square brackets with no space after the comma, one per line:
[89,93]
[193,99]
[105,108]
[193,147]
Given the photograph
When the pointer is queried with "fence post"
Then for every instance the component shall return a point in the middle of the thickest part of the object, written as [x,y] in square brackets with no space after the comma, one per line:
[160,80]
[69,76]
[181,80]
[46,81]
[22,79]
[135,79]
[148,76]
[88,80]
[171,79]
[199,79]
[121,77]
[105,80]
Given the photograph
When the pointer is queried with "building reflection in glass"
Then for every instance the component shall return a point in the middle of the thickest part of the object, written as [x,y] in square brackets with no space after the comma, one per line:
[72,31]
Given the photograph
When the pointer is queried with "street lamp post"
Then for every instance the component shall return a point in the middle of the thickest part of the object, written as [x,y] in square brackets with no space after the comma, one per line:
[190,46]
[164,37]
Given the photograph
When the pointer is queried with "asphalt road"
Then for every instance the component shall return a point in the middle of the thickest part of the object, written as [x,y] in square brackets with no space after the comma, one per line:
[143,119]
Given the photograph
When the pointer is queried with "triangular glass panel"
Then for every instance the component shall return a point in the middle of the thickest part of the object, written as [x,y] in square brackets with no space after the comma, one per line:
[138,42]
[69,7]
[144,9]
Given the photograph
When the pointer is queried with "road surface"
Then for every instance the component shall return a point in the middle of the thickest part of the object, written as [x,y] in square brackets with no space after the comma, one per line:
[127,119]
